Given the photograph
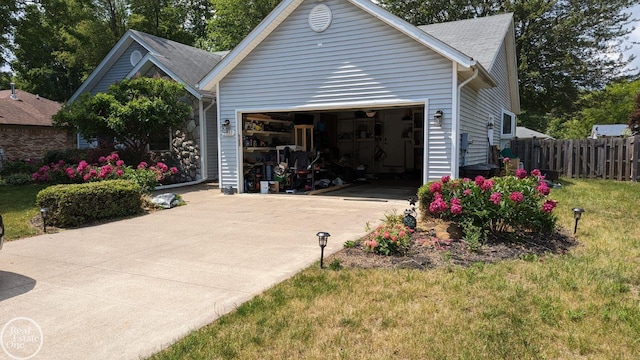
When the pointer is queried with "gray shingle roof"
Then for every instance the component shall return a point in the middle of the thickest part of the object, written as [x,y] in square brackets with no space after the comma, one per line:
[479,38]
[608,130]
[190,64]
[526,133]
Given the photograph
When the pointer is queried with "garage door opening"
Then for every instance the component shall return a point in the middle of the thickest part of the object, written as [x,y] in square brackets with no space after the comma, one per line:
[321,151]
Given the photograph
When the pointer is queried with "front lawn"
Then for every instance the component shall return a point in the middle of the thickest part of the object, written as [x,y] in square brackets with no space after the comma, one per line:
[584,304]
[18,207]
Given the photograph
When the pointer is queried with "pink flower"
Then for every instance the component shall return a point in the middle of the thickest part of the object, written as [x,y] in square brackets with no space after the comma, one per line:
[102,159]
[445,179]
[402,233]
[479,180]
[438,205]
[506,160]
[466,180]
[455,201]
[386,235]
[521,173]
[435,187]
[174,170]
[373,243]
[394,238]
[536,172]
[162,166]
[82,166]
[119,163]
[142,165]
[467,192]
[456,209]
[495,198]
[549,205]
[516,197]
[119,172]
[543,189]
[115,156]
[487,185]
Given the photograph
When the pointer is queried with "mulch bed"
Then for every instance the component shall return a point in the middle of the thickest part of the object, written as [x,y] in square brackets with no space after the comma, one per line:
[436,244]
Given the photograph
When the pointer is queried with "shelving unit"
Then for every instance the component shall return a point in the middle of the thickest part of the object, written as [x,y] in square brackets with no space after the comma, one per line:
[261,136]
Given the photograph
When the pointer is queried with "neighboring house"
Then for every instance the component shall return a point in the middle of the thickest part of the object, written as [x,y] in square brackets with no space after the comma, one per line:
[526,133]
[26,129]
[140,54]
[605,131]
[436,96]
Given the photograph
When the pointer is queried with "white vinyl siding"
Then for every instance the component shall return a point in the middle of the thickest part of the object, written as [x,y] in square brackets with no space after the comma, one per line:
[211,141]
[118,70]
[358,59]
[478,106]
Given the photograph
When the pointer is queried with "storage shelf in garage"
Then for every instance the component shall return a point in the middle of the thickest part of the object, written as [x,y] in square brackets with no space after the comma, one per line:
[253,132]
[252,149]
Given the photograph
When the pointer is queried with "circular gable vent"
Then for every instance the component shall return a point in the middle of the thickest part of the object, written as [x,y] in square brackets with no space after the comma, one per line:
[135,57]
[320,18]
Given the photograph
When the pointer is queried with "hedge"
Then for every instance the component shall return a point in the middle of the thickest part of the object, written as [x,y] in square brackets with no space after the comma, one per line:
[76,204]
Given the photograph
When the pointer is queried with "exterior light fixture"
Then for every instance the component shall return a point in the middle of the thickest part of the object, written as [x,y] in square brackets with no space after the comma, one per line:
[490,125]
[437,118]
[577,214]
[226,128]
[322,241]
[370,113]
[43,214]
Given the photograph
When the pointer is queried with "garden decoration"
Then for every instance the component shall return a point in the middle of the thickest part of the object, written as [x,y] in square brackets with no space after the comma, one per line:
[410,214]
[577,214]
[322,241]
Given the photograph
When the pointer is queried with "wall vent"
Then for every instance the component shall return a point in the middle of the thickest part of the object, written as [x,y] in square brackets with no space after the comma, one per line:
[320,18]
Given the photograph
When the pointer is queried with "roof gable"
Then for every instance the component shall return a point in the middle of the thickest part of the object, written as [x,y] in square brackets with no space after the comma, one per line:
[28,109]
[185,64]
[286,7]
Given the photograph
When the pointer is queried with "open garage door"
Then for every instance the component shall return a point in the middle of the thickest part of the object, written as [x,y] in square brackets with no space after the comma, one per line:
[317,151]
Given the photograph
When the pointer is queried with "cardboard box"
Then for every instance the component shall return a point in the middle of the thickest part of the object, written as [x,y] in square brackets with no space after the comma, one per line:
[274,187]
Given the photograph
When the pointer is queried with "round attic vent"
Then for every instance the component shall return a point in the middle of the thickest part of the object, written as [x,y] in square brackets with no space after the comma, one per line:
[320,18]
[135,57]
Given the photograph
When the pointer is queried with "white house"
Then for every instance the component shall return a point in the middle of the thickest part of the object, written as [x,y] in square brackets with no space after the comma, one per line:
[328,62]
[345,75]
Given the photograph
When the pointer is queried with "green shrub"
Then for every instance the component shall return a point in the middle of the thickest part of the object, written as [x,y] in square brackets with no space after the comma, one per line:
[498,205]
[18,167]
[77,204]
[18,179]
[390,238]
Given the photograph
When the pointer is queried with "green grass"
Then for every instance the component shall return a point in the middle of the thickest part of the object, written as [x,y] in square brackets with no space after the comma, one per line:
[18,207]
[581,305]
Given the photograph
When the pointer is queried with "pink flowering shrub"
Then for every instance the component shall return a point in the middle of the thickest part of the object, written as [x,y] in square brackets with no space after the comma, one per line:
[390,238]
[484,206]
[109,167]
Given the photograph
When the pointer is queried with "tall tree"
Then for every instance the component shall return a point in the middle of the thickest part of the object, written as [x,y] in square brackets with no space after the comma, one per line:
[57,44]
[233,20]
[169,19]
[562,45]
[7,13]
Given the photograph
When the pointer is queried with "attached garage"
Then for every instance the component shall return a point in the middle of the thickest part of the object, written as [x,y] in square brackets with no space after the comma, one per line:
[348,79]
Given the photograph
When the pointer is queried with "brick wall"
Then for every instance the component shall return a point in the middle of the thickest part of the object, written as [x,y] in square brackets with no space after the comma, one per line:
[32,142]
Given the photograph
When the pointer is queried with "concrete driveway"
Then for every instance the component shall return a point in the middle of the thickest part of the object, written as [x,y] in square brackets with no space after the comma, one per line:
[126,289]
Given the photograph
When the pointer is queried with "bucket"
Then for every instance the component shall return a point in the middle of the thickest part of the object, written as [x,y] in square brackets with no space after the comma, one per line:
[264,187]
[228,190]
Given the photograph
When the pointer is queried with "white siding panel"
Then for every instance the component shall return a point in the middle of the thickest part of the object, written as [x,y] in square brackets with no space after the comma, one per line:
[357,59]
[476,106]
[119,70]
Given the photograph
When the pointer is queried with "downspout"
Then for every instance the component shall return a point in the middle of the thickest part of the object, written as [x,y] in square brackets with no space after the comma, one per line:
[456,127]
[203,139]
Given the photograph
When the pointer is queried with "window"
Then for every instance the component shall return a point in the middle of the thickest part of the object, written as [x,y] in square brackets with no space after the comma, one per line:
[508,124]
[160,141]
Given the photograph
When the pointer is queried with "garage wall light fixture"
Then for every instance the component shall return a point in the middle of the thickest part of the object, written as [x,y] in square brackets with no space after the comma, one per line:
[437,118]
[226,128]
[370,113]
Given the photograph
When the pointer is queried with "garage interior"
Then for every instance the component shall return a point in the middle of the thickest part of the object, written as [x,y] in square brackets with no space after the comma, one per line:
[322,151]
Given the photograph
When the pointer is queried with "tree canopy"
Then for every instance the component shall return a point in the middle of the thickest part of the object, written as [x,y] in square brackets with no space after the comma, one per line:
[131,111]
[562,46]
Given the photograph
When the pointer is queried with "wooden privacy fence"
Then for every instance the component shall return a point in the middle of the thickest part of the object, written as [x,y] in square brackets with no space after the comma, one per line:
[608,158]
